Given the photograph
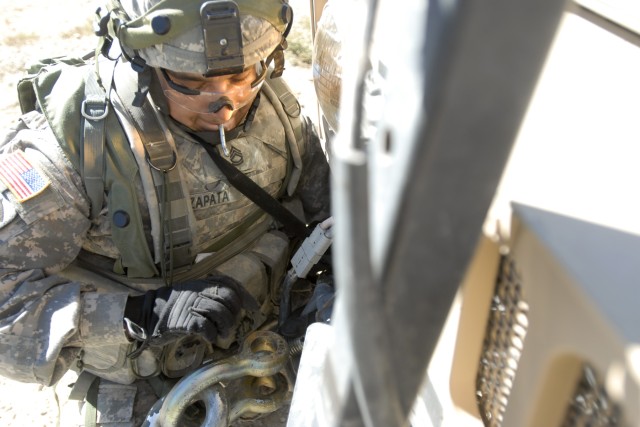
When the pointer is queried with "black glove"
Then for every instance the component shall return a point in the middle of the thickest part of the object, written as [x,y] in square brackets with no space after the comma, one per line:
[209,307]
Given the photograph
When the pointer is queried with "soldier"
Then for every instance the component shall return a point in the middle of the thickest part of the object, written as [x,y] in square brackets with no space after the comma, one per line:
[129,233]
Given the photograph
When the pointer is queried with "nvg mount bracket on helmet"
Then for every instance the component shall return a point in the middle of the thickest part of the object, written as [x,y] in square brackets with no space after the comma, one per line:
[222,37]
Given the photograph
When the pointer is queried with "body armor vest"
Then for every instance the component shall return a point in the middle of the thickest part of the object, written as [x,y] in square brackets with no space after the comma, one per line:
[270,154]
[228,231]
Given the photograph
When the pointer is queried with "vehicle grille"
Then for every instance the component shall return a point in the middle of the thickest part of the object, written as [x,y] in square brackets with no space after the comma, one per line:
[502,347]
[503,344]
[590,405]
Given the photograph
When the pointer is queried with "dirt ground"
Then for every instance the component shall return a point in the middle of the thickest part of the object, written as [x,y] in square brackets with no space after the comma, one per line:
[32,30]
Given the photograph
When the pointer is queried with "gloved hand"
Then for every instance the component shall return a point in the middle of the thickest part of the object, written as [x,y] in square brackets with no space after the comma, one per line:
[209,307]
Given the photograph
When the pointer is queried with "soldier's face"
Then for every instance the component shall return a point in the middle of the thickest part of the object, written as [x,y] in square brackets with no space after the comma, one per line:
[206,103]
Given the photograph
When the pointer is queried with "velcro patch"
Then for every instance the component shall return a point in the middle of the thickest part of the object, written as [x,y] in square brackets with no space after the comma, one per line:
[21,177]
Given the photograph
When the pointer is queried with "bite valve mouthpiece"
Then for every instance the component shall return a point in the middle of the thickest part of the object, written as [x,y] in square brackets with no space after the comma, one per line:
[223,140]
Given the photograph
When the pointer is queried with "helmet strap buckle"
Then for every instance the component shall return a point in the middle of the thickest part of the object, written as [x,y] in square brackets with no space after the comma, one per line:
[277,56]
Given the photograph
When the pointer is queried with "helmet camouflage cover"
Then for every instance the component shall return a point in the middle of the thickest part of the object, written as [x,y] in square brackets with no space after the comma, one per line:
[206,37]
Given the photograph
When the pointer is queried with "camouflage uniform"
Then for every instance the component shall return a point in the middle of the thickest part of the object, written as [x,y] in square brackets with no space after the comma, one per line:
[53,318]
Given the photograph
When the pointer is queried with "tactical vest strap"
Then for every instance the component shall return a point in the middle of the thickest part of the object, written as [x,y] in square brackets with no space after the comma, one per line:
[122,171]
[177,224]
[288,110]
[94,110]
[256,193]
[248,232]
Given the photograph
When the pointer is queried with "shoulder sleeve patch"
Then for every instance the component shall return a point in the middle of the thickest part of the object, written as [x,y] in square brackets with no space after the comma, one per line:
[21,177]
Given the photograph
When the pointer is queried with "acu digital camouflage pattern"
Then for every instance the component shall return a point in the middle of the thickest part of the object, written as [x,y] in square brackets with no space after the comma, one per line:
[51,320]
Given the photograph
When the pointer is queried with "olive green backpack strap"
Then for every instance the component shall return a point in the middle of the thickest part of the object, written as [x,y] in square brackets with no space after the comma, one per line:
[58,87]
[94,110]
[289,112]
[178,223]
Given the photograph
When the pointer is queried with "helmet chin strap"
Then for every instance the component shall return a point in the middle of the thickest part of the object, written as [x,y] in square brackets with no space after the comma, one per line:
[277,56]
[140,66]
[144,83]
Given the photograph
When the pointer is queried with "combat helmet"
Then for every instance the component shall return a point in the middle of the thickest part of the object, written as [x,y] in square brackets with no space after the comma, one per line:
[211,37]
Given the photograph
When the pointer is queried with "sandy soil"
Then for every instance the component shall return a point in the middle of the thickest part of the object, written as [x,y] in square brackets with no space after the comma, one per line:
[31,30]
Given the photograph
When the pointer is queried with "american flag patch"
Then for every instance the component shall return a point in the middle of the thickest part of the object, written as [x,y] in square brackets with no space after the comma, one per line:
[21,177]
